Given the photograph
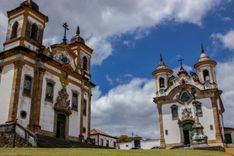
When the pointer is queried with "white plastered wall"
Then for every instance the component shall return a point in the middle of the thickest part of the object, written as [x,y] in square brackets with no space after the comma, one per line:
[74,118]
[6,85]
[25,101]
[174,134]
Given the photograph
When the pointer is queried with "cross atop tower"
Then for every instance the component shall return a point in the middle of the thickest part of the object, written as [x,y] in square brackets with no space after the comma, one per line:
[65,26]
[180,60]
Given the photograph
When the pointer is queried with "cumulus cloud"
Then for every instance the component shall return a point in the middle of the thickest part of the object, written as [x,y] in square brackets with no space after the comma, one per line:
[127,109]
[226,39]
[101,20]
[225,78]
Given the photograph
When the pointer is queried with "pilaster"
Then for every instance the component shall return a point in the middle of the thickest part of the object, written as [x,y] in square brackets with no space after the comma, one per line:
[162,139]
[34,122]
[12,116]
[219,138]
[89,113]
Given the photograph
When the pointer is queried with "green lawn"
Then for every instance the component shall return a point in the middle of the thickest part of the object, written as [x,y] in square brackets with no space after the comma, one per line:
[101,152]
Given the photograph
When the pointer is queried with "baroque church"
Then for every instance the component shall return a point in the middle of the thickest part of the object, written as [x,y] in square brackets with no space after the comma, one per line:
[189,105]
[46,91]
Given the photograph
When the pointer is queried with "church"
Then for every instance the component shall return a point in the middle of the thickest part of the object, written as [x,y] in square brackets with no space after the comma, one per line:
[44,90]
[189,105]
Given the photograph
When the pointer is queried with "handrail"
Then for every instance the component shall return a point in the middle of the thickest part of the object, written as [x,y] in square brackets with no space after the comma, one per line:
[24,133]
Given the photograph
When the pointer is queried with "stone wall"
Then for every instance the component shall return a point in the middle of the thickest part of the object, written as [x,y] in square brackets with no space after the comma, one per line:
[12,140]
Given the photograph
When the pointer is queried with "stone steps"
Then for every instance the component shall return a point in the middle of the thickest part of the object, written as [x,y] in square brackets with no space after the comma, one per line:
[45,141]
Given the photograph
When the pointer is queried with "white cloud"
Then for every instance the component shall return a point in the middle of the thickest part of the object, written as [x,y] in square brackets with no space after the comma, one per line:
[127,108]
[100,20]
[225,78]
[226,39]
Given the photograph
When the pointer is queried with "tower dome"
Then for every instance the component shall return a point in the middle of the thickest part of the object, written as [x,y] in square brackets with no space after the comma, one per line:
[30,3]
[77,37]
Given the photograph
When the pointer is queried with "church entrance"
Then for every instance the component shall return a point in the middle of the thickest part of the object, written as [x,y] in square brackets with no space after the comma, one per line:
[61,126]
[188,133]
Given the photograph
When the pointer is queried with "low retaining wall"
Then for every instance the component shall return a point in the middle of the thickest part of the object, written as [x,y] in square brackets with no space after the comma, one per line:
[12,140]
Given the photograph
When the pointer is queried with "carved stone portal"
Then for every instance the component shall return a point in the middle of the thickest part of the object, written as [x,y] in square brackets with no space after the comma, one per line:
[187,114]
[62,102]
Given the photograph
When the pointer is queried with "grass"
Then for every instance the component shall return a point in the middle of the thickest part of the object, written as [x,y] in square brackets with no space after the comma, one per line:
[101,152]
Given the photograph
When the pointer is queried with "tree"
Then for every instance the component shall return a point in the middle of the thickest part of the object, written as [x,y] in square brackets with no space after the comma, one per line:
[124,138]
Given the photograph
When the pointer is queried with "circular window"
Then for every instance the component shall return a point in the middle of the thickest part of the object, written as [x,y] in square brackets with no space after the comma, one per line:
[23,114]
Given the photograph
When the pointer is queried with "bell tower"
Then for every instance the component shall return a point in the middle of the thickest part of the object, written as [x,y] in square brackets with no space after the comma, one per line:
[206,69]
[26,26]
[162,74]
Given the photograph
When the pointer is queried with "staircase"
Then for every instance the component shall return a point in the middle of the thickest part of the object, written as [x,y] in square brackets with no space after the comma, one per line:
[15,135]
[45,141]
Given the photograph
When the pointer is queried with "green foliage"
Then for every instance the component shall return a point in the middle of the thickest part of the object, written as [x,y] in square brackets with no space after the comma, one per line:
[124,138]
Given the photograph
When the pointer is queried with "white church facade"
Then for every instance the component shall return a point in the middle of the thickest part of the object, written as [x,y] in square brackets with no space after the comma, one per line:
[189,105]
[45,90]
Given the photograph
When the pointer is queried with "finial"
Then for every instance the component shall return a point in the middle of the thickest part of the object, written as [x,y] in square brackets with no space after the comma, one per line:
[202,49]
[65,26]
[29,2]
[78,30]
[181,61]
[161,58]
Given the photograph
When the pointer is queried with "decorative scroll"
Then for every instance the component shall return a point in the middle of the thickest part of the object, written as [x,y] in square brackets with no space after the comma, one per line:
[62,102]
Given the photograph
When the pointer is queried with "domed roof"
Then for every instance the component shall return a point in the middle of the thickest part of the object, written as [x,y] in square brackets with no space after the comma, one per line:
[204,59]
[161,64]
[77,37]
[30,4]
[203,56]
[162,67]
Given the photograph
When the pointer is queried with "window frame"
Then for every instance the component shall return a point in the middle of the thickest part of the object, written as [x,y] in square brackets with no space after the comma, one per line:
[27,93]
[84,107]
[47,98]
[162,82]
[14,30]
[199,106]
[85,63]
[34,32]
[75,106]
[206,74]
[174,108]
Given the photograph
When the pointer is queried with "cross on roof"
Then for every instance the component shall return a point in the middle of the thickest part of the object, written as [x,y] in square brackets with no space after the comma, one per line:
[181,61]
[65,26]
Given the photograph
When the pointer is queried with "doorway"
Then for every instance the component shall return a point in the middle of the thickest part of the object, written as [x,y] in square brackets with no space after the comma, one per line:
[61,126]
[188,133]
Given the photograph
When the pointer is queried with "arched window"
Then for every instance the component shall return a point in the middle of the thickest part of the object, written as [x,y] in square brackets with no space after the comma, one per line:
[161,82]
[85,63]
[34,32]
[14,30]
[206,75]
[174,112]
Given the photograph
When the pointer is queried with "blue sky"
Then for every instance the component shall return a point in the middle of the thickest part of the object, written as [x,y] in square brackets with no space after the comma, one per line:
[139,58]
[128,37]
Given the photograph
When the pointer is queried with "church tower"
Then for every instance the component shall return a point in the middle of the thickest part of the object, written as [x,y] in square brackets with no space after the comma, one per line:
[206,70]
[26,25]
[162,74]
